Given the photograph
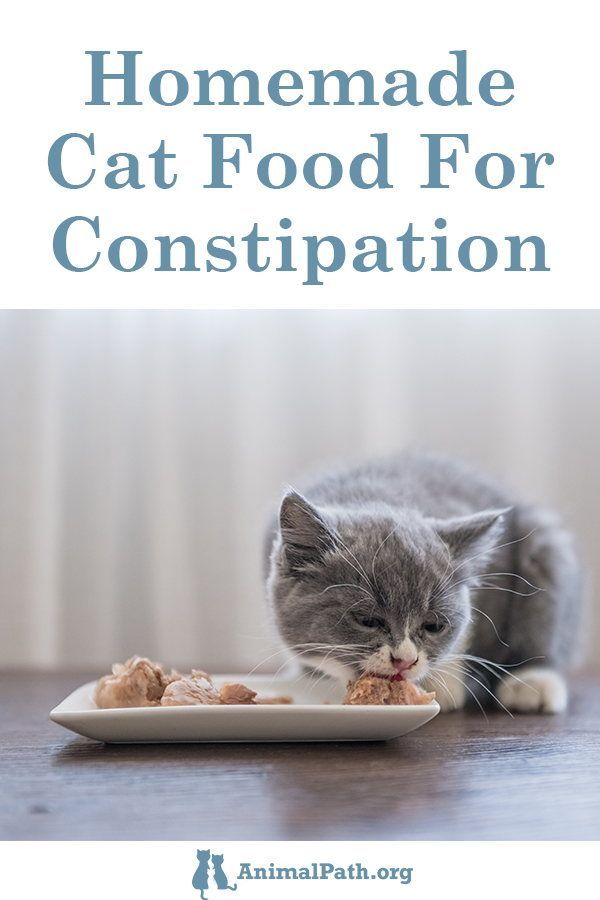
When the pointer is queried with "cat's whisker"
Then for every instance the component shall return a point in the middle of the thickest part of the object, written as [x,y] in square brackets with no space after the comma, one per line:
[346,611]
[490,550]
[322,644]
[267,659]
[318,679]
[491,671]
[446,577]
[466,687]
[494,587]
[445,685]
[492,667]
[360,568]
[491,663]
[303,675]
[469,673]
[341,647]
[318,667]
[440,614]
[280,668]
[491,621]
[334,651]
[476,576]
[358,571]
[293,651]
[349,584]
[534,587]
[376,554]
[295,655]
[440,682]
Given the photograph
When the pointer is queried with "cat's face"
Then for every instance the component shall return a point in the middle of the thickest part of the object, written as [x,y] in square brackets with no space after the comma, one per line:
[373,590]
[217,858]
[203,855]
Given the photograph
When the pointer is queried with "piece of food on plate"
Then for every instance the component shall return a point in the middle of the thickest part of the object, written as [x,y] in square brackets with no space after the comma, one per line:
[368,689]
[191,690]
[141,682]
[137,682]
[376,690]
[407,693]
[273,701]
[237,693]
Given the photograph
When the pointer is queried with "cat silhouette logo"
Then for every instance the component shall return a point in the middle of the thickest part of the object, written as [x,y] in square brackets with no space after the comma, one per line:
[204,878]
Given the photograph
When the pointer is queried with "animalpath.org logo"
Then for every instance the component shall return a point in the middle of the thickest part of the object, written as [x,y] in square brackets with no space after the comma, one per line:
[210,873]
[205,878]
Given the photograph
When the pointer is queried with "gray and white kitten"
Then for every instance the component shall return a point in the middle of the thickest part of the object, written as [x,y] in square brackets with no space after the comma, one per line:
[417,565]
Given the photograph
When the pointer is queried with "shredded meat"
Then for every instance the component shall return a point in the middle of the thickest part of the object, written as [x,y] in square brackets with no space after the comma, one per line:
[137,682]
[191,690]
[236,693]
[373,690]
[368,690]
[140,682]
[272,701]
[409,694]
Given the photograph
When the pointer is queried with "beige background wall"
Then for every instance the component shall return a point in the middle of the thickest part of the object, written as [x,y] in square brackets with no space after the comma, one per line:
[140,453]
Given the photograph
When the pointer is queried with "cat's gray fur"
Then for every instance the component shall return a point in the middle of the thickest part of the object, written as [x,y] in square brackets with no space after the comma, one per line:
[417,542]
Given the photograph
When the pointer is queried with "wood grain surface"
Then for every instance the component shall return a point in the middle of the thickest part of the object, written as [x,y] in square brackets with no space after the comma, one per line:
[459,777]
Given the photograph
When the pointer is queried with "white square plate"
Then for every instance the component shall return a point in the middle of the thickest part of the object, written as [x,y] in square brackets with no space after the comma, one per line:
[315,715]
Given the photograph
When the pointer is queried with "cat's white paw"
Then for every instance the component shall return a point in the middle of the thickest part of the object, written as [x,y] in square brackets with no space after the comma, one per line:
[452,695]
[537,690]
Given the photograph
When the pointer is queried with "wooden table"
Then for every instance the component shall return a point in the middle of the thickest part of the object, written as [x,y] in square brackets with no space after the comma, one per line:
[460,777]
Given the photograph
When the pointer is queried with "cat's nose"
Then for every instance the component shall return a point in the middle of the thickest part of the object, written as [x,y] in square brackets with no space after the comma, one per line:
[402,665]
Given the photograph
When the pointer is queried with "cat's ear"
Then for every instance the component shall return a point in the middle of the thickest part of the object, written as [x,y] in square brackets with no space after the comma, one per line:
[472,534]
[305,535]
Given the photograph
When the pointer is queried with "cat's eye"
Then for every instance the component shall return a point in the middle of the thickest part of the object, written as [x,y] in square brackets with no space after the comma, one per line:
[434,626]
[369,621]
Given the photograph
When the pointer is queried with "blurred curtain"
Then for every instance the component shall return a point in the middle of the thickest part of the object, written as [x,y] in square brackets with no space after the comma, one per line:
[141,453]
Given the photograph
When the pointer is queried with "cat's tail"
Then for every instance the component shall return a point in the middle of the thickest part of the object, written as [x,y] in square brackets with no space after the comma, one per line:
[234,888]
